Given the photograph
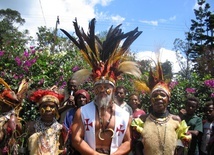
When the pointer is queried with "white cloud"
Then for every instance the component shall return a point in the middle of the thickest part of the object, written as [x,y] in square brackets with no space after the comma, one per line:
[102,2]
[67,11]
[117,19]
[45,12]
[154,23]
[172,18]
[165,55]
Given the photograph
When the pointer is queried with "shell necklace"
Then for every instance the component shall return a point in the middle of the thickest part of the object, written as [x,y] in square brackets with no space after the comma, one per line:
[160,122]
[103,128]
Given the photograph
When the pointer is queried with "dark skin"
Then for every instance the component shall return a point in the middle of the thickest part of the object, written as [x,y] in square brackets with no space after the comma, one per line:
[47,112]
[46,116]
[134,102]
[189,111]
[160,101]
[120,95]
[209,112]
[81,100]
[72,87]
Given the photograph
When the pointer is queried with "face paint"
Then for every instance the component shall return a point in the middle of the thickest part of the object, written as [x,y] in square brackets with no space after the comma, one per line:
[42,110]
[53,110]
[159,97]
[48,108]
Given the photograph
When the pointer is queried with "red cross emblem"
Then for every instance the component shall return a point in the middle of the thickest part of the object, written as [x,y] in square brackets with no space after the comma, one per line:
[87,124]
[120,130]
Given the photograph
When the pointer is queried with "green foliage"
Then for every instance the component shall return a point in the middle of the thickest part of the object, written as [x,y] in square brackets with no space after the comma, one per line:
[194,86]
[203,88]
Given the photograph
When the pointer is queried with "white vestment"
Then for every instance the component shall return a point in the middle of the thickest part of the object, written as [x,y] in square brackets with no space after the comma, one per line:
[88,113]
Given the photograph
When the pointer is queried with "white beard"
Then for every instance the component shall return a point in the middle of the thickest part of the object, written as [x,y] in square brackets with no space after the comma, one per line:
[103,102]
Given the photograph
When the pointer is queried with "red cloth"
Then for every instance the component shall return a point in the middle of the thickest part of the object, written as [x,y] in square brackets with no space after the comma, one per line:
[138,113]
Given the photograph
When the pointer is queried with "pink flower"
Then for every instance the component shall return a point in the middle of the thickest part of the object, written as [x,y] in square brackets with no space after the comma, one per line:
[173,84]
[190,90]
[5,150]
[18,61]
[209,83]
[26,54]
[75,68]
[1,53]
[41,81]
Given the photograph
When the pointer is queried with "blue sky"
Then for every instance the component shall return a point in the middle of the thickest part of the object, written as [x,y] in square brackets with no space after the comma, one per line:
[162,21]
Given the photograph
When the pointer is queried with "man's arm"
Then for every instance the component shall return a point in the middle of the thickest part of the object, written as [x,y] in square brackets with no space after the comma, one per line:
[69,103]
[198,128]
[125,147]
[77,131]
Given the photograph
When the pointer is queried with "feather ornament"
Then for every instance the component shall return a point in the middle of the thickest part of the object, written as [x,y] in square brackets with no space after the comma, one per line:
[105,57]
[9,97]
[155,81]
[129,67]
[81,75]
[156,76]
[4,83]
[141,86]
[22,90]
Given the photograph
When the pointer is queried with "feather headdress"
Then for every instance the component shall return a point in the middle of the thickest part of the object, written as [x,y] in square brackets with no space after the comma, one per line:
[155,81]
[107,59]
[40,96]
[9,97]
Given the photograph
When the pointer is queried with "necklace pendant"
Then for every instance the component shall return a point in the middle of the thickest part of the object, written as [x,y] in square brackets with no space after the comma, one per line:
[99,134]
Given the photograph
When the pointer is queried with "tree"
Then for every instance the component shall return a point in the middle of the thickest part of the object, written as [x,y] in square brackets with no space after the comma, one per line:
[182,53]
[10,36]
[167,69]
[200,39]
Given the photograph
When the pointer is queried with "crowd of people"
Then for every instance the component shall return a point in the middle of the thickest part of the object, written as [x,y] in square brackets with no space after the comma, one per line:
[114,121]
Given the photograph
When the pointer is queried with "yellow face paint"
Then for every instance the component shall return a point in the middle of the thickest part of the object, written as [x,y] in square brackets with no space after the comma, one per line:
[48,108]
[159,95]
[42,110]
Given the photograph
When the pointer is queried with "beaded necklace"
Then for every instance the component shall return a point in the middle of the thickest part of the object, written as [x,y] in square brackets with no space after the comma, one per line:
[47,140]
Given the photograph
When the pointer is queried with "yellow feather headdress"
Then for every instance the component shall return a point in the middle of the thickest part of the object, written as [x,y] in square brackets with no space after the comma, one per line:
[107,59]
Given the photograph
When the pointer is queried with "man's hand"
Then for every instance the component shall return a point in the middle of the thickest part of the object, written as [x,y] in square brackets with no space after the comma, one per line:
[71,101]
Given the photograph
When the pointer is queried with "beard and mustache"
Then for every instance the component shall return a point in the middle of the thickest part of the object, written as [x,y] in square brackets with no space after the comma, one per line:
[103,101]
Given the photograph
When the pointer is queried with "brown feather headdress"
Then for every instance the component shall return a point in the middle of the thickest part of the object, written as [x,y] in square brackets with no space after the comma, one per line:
[107,59]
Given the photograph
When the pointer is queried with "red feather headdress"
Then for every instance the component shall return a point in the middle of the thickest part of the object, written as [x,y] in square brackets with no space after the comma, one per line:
[41,96]
[107,59]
